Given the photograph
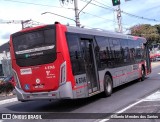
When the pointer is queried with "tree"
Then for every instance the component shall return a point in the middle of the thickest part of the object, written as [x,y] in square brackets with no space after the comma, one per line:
[158,28]
[151,33]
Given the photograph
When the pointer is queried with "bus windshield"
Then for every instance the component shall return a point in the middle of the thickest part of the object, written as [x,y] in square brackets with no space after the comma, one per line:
[32,40]
[34,44]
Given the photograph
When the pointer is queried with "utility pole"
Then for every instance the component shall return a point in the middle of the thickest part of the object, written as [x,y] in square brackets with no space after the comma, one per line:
[76,13]
[119,19]
[24,22]
[75,9]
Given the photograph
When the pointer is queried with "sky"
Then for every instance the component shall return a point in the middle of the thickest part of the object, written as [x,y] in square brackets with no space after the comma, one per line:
[98,14]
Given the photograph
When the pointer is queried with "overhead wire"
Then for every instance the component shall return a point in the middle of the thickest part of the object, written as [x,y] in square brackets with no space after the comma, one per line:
[101,17]
[55,6]
[104,7]
[101,5]
[140,17]
[129,14]
[37,4]
[98,5]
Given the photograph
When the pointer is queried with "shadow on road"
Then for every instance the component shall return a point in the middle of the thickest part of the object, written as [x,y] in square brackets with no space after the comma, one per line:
[52,106]
[61,105]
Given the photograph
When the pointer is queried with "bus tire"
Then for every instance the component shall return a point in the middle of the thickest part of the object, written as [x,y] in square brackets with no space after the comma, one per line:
[143,74]
[108,86]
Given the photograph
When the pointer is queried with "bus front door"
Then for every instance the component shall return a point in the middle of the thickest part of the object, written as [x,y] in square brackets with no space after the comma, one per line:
[90,65]
[148,60]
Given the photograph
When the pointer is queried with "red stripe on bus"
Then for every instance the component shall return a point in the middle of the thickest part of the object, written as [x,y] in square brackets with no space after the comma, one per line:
[132,72]
[79,87]
[125,74]
[118,76]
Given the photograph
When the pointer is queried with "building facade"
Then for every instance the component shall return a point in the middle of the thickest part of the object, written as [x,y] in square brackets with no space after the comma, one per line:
[5,62]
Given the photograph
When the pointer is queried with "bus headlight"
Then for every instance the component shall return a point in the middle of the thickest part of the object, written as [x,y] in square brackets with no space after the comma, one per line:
[16,79]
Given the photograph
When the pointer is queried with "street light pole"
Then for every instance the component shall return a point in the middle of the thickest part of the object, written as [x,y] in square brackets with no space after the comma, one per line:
[23,22]
[76,13]
[119,18]
[58,15]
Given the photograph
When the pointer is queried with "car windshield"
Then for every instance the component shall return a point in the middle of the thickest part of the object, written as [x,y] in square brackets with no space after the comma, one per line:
[7,79]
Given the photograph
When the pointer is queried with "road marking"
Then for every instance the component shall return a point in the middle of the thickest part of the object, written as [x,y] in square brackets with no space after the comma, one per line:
[121,111]
[8,101]
[153,97]
[144,106]
[1,120]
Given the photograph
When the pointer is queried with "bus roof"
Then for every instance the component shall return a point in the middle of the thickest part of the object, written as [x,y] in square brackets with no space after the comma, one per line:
[104,33]
[92,31]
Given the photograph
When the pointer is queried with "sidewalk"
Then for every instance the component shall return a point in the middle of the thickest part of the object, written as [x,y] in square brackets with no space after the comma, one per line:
[3,97]
[8,96]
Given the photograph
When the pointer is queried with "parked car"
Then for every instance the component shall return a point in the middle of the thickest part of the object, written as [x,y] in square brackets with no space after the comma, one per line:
[7,84]
[153,57]
[2,78]
[9,79]
[158,57]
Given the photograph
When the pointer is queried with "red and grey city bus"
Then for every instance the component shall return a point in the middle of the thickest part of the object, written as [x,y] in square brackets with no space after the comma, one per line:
[63,62]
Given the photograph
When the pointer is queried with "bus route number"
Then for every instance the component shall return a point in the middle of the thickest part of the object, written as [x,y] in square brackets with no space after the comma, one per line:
[80,80]
[49,67]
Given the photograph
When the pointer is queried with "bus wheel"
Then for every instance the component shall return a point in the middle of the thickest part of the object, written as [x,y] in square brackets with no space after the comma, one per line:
[108,86]
[143,74]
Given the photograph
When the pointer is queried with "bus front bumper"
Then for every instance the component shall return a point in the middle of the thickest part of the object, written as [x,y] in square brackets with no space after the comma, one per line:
[63,92]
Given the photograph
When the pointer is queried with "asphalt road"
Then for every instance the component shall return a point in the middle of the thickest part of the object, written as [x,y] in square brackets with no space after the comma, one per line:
[121,97]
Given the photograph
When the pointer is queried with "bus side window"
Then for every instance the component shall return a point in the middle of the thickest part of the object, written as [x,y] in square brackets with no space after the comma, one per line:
[112,52]
[75,54]
[103,52]
[138,51]
[117,52]
[125,51]
[131,51]
[142,50]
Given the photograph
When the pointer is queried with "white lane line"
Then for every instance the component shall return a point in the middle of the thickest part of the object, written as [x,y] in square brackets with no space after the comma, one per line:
[1,120]
[8,101]
[153,97]
[121,111]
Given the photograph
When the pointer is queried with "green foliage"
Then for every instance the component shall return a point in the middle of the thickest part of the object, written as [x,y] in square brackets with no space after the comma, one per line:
[151,33]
